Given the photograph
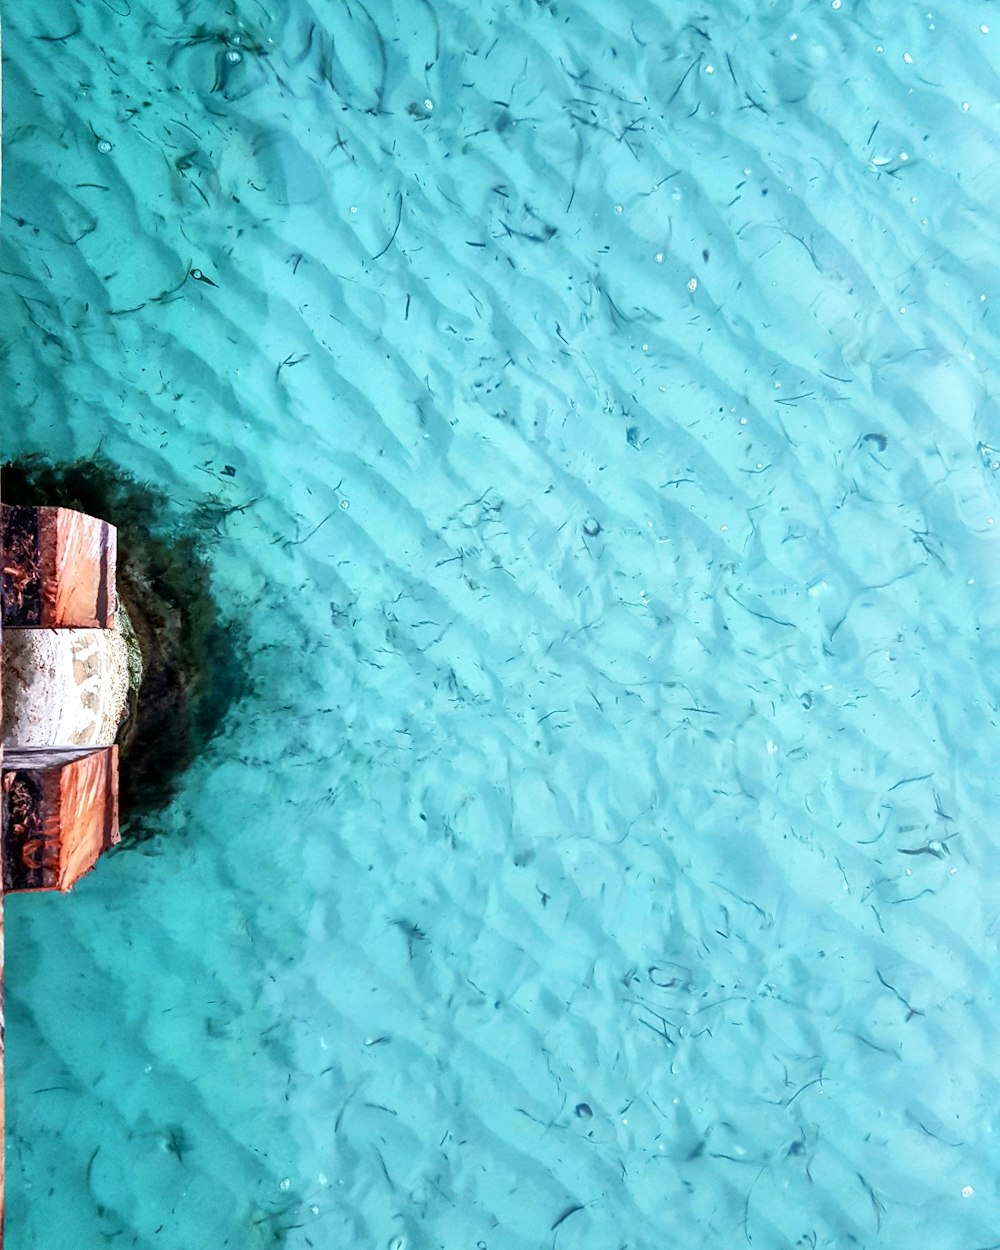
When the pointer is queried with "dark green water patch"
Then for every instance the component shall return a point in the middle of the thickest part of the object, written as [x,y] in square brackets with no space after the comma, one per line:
[194,657]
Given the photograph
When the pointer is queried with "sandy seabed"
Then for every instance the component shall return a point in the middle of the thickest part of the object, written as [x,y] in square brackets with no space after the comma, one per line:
[607,857]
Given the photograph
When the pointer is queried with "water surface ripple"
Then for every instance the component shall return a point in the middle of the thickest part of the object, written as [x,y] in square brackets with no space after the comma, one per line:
[606,393]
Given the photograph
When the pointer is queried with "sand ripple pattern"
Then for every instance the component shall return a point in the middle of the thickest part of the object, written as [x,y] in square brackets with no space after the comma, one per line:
[608,857]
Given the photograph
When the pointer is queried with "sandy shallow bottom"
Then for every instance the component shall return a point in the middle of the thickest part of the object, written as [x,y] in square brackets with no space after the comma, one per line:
[608,856]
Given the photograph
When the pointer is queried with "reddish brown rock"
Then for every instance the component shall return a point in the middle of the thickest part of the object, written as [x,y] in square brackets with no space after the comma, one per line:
[58,568]
[60,811]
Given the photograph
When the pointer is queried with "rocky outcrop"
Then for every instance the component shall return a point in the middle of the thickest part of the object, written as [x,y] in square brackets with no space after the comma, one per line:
[65,681]
[188,657]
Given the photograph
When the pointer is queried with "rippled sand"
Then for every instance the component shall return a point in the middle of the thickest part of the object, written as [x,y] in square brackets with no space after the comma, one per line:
[608,857]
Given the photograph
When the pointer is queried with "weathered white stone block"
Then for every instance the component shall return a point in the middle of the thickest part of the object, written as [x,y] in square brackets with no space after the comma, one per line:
[63,687]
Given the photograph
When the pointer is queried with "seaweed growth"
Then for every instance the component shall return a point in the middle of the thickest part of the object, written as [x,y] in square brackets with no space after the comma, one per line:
[22,804]
[193,657]
[21,579]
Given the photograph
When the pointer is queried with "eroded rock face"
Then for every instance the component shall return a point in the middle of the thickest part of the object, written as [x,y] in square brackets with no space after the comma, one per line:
[63,687]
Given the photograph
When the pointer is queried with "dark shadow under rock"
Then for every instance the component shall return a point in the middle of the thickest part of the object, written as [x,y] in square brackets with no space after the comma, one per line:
[193,657]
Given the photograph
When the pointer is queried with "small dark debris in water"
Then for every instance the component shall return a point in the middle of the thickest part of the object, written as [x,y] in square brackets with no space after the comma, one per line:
[591,527]
[577,1206]
[412,932]
[880,440]
[584,1110]
[228,470]
[704,254]
[938,847]
[175,1142]
[633,436]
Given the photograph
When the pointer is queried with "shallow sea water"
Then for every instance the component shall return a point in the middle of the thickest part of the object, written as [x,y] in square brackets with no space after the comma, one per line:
[608,856]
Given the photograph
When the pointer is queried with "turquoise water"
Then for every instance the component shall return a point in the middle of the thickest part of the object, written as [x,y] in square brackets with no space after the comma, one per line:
[608,857]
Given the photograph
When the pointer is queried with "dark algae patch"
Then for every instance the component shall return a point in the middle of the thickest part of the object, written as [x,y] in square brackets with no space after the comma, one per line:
[21,578]
[193,656]
[21,796]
